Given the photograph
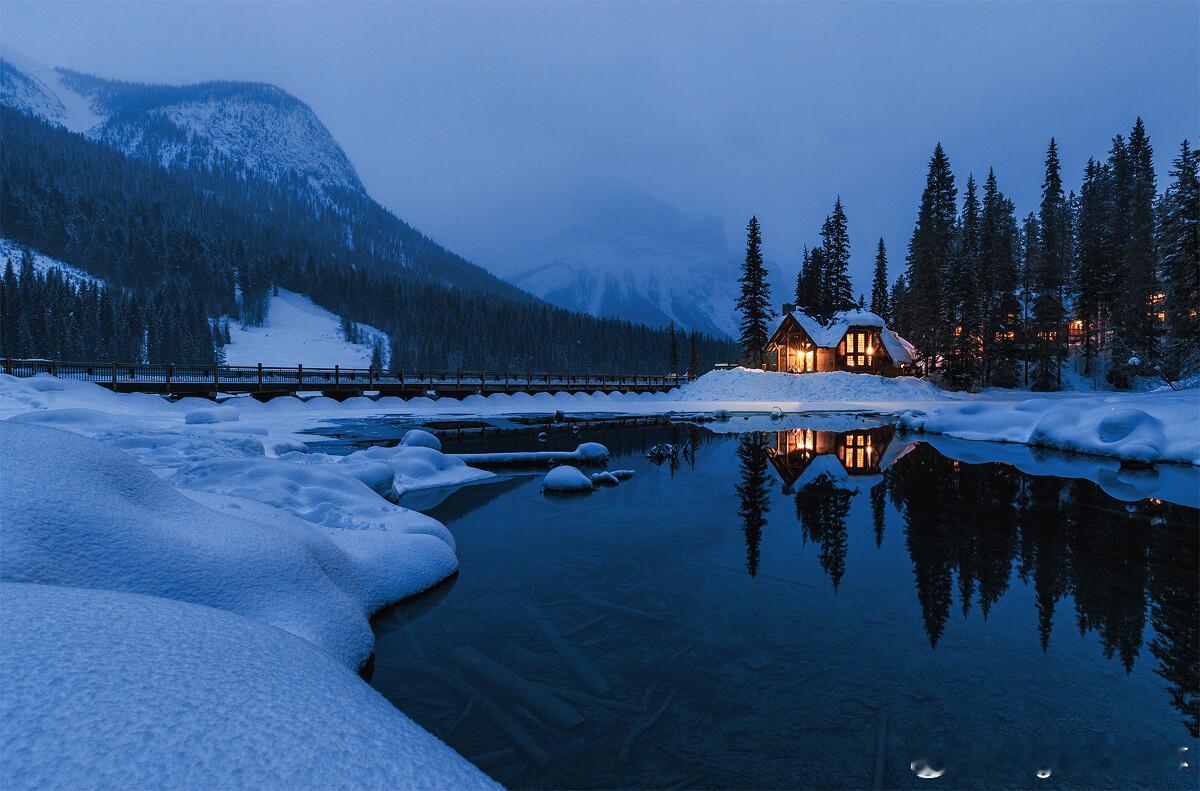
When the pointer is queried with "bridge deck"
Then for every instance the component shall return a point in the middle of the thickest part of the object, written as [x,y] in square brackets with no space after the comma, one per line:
[269,381]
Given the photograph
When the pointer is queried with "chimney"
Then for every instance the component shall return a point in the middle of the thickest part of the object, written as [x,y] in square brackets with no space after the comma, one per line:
[788,308]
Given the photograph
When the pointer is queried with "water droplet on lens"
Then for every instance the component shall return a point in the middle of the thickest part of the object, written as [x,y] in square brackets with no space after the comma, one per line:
[542,437]
[925,771]
[1043,774]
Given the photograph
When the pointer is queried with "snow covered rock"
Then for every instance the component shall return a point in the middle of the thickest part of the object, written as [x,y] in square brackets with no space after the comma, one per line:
[591,451]
[605,478]
[104,689]
[585,453]
[215,414]
[566,478]
[419,438]
[416,467]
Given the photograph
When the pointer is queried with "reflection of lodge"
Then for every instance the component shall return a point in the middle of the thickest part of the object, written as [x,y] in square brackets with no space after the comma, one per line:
[860,452]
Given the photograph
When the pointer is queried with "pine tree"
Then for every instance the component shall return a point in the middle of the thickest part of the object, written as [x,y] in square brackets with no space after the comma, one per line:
[1050,278]
[837,291]
[1179,247]
[693,357]
[879,286]
[1091,276]
[673,354]
[962,295]
[1031,250]
[929,252]
[755,300]
[807,286]
[1140,276]
[999,279]
[900,308]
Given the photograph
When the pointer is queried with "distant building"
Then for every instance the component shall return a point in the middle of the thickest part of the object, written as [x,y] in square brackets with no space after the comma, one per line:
[854,340]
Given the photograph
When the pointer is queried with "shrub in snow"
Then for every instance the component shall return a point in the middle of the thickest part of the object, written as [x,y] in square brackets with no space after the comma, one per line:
[213,414]
[419,438]
[566,478]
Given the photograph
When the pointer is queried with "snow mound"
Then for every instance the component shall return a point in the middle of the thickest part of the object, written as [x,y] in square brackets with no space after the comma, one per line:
[113,690]
[418,438]
[748,385]
[605,478]
[566,478]
[1127,432]
[131,531]
[418,467]
[215,414]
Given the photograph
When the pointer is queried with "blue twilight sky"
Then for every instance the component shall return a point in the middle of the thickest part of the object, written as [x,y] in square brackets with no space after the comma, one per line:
[478,122]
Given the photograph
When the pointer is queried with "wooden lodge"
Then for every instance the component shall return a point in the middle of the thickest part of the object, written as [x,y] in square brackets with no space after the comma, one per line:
[857,341]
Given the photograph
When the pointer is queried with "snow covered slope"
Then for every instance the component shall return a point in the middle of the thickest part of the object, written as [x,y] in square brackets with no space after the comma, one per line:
[11,251]
[251,126]
[297,331]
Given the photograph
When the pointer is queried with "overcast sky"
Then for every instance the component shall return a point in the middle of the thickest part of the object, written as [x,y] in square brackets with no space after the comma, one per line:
[475,121]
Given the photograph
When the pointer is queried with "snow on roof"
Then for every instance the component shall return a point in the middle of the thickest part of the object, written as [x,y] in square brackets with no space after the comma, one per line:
[829,335]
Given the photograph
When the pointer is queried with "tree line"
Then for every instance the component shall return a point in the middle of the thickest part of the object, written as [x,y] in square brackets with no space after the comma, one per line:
[178,249]
[989,299]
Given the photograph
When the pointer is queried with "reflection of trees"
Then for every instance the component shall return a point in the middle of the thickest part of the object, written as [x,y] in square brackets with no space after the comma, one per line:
[878,511]
[1175,613]
[753,493]
[822,508]
[969,524]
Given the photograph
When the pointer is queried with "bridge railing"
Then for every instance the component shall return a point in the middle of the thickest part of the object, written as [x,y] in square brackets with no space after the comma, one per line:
[301,377]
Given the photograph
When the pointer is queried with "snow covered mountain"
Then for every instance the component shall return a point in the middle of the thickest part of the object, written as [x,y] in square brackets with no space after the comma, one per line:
[247,126]
[632,256]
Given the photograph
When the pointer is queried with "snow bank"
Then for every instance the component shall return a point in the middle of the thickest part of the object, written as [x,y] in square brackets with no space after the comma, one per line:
[566,478]
[785,390]
[1135,427]
[114,690]
[216,414]
[131,531]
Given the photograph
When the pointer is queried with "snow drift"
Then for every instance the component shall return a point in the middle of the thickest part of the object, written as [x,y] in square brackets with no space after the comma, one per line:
[115,690]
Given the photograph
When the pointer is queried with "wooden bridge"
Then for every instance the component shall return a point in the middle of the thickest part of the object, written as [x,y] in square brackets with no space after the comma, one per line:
[266,382]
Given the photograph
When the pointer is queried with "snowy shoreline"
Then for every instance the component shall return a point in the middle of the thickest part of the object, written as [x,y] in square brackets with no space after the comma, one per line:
[158,519]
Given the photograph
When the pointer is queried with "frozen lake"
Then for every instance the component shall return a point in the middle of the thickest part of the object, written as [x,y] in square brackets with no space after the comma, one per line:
[749,613]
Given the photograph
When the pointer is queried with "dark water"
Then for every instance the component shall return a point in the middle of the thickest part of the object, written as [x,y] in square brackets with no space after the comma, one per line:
[751,615]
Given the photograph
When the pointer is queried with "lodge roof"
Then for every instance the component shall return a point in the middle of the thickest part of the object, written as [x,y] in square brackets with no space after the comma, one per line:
[828,336]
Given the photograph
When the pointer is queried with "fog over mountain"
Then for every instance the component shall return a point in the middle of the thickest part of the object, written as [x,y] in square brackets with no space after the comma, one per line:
[477,122]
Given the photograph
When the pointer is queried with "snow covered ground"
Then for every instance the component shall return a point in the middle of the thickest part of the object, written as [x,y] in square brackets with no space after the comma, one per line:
[299,332]
[104,689]
[215,575]
[209,583]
